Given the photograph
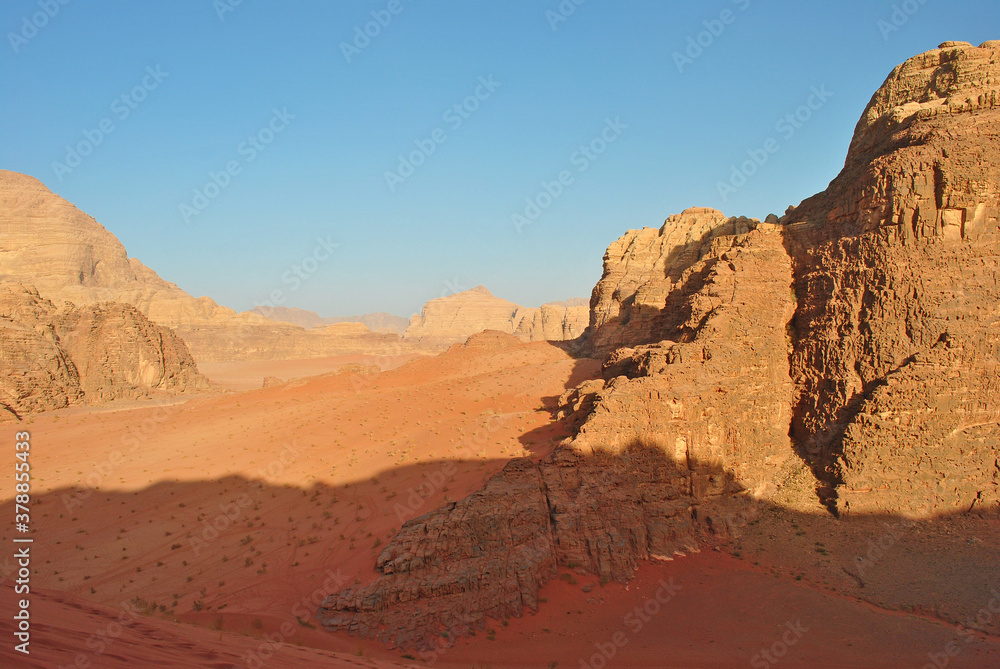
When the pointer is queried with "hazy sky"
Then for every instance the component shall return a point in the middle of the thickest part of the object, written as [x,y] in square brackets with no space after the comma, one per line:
[605,115]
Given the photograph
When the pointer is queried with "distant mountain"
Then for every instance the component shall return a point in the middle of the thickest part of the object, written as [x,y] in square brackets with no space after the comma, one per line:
[455,317]
[48,243]
[376,322]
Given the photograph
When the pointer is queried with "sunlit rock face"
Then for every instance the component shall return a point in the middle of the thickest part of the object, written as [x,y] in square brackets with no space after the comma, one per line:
[843,358]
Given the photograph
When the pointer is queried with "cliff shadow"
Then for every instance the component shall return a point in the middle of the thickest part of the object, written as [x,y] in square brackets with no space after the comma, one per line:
[247,556]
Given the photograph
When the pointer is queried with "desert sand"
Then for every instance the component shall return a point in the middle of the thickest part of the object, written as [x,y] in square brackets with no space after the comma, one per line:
[219,520]
[250,374]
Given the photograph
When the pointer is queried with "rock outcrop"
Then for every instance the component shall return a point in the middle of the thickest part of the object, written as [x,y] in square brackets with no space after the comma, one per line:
[641,270]
[36,372]
[55,357]
[444,573]
[69,257]
[846,355]
[671,440]
[452,319]
[897,272]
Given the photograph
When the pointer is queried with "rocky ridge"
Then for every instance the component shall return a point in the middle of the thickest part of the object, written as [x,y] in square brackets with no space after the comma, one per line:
[846,357]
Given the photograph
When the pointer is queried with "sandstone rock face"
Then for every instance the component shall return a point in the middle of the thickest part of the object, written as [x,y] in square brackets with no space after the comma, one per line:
[69,257]
[505,553]
[552,322]
[54,357]
[36,373]
[716,388]
[642,268]
[452,319]
[897,267]
[377,322]
[120,354]
[846,356]
[670,441]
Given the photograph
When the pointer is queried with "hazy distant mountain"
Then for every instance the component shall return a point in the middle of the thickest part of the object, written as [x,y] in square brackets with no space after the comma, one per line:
[376,322]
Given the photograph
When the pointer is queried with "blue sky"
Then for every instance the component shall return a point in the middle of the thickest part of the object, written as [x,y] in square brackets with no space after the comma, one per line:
[534,85]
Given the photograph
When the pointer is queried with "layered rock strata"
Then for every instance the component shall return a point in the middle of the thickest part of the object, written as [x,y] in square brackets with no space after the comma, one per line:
[897,268]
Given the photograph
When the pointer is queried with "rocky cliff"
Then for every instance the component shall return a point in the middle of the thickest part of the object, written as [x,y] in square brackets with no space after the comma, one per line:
[845,357]
[68,256]
[668,443]
[452,319]
[55,357]
[641,270]
[897,268]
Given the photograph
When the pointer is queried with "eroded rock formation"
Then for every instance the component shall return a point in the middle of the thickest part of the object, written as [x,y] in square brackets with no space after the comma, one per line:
[897,267]
[55,357]
[487,555]
[452,319]
[852,346]
[641,270]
